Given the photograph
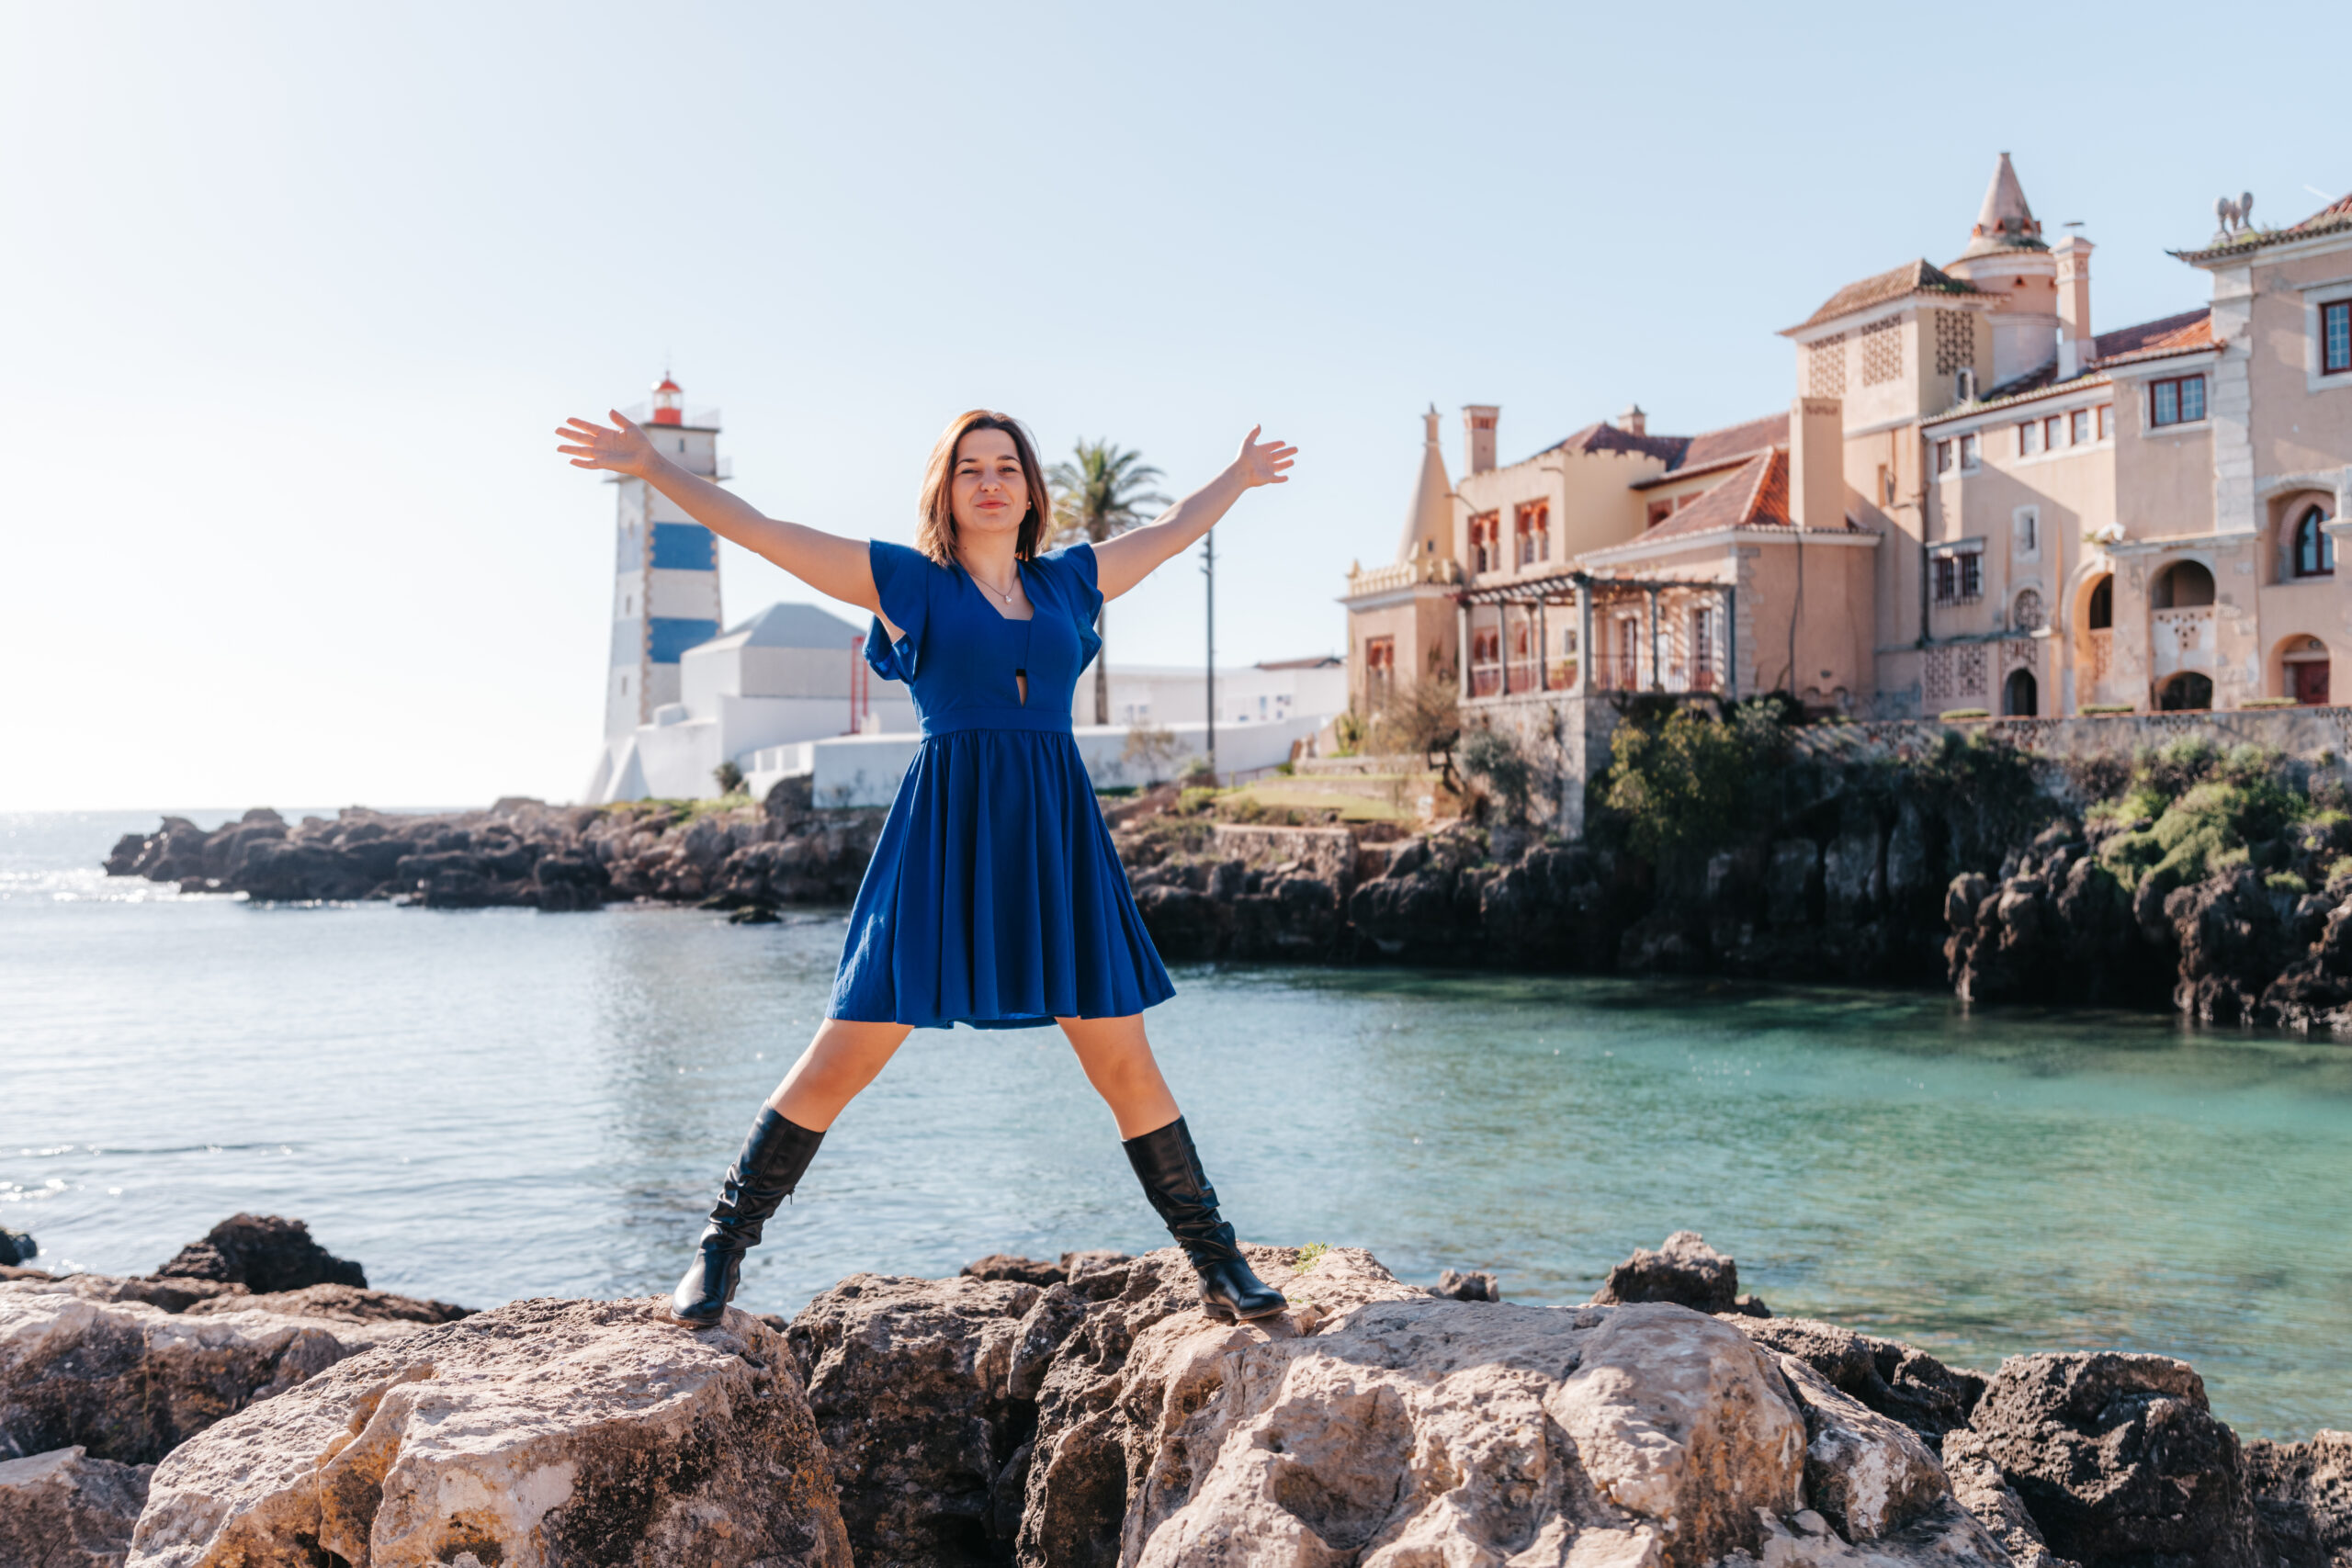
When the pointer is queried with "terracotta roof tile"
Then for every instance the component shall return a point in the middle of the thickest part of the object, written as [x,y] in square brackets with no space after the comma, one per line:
[1897,283]
[2190,329]
[1755,496]
[1753,436]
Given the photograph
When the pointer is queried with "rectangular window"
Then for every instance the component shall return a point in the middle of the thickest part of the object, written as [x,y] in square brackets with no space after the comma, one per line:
[1703,651]
[2180,401]
[1886,485]
[2053,434]
[1659,511]
[2105,412]
[1970,449]
[1943,456]
[2336,337]
[1959,576]
[2079,428]
[2028,531]
[2029,438]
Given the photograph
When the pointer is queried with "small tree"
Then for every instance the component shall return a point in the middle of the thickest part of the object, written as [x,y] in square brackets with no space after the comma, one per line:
[1497,762]
[1100,496]
[729,777]
[1152,749]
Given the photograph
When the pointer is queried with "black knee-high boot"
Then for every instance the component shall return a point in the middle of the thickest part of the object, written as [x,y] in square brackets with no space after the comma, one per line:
[1169,1168]
[763,1174]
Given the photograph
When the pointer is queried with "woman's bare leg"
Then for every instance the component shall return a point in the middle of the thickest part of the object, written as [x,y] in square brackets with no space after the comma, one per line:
[1119,1064]
[841,1061]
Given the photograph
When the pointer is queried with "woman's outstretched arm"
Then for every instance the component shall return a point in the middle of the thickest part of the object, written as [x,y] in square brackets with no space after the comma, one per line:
[835,567]
[1121,563]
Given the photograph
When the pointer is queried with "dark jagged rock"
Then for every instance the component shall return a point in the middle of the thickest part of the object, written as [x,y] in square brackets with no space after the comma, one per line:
[2120,1461]
[1685,1270]
[2302,1493]
[1474,1285]
[1977,1482]
[65,1510]
[1020,1270]
[1898,1382]
[17,1247]
[265,1254]
[911,1382]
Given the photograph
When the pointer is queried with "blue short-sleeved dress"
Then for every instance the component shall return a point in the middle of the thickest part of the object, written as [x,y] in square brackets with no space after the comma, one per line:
[994,897]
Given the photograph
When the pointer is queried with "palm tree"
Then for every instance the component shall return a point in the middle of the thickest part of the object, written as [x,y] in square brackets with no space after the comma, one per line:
[1100,496]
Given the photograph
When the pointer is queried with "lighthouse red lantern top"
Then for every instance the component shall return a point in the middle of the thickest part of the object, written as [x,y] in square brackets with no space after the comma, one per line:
[669,402]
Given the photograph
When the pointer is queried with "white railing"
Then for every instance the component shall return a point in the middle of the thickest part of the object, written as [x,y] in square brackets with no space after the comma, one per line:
[1401,574]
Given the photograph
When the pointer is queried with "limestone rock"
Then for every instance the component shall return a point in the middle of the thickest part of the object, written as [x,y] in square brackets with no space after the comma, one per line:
[65,1510]
[1976,1481]
[130,1382]
[1868,1476]
[1686,1271]
[170,1295]
[910,1383]
[542,1432]
[2302,1493]
[2119,1459]
[265,1254]
[1889,1377]
[336,1304]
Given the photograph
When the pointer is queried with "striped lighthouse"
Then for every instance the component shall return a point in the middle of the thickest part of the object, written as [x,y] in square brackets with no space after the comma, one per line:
[665,583]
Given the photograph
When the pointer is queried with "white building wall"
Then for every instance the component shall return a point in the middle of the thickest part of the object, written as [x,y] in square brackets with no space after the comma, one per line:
[1164,695]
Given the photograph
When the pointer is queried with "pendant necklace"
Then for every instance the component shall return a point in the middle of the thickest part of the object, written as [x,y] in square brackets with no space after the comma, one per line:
[993,588]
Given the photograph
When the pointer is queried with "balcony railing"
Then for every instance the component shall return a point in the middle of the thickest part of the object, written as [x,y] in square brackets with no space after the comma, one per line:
[1616,672]
[1485,679]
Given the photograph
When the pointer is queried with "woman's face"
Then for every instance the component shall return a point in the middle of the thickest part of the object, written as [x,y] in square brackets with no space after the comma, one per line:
[990,494]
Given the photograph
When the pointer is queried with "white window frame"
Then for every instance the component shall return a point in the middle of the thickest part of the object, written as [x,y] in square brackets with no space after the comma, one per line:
[1972,451]
[1952,552]
[2334,293]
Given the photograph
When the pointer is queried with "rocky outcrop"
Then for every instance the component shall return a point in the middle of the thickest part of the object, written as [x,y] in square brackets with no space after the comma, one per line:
[337,1303]
[2302,1493]
[129,1381]
[1686,1271]
[2120,1461]
[544,1431]
[523,852]
[17,1247]
[265,1254]
[1895,1380]
[1980,1488]
[65,1510]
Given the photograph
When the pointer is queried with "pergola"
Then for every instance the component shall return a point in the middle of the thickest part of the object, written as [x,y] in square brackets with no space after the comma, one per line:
[1535,594]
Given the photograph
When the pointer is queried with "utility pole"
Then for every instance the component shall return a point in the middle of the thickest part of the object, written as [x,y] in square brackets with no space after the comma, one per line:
[1208,569]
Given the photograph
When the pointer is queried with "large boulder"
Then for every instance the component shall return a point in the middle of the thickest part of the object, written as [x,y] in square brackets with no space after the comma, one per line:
[65,1510]
[924,1391]
[17,1247]
[130,1381]
[542,1432]
[2120,1461]
[265,1254]
[2302,1493]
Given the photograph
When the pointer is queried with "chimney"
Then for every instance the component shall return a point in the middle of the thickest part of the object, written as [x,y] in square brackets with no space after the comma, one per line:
[1817,463]
[2076,346]
[1634,422]
[1478,434]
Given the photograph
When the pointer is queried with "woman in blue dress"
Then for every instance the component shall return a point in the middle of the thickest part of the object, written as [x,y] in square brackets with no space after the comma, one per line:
[994,897]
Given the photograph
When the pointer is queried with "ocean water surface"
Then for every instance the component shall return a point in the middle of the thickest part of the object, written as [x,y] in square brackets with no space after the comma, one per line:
[486,1105]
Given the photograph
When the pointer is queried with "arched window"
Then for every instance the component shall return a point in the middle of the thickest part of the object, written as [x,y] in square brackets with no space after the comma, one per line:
[2020,697]
[2314,551]
[2099,614]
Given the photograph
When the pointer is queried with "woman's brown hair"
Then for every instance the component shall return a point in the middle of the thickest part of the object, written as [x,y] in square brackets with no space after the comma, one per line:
[935,527]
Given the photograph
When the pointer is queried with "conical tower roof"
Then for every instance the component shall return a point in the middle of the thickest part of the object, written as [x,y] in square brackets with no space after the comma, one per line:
[2005,223]
[1428,526]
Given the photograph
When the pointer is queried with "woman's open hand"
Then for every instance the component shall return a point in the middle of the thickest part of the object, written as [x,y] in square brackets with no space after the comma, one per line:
[1263,462]
[623,447]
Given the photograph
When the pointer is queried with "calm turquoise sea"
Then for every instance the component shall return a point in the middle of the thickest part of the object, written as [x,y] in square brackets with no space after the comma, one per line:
[480,1106]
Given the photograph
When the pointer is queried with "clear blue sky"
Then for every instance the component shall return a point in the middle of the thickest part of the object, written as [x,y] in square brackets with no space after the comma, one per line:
[294,293]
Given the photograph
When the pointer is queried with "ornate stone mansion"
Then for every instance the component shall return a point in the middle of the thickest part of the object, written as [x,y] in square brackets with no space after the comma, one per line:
[1974,501]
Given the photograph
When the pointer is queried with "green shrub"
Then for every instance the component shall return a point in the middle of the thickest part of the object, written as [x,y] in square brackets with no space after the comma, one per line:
[1951,715]
[729,777]
[2286,881]
[1683,784]
[2210,827]
[2095,710]
[1495,758]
